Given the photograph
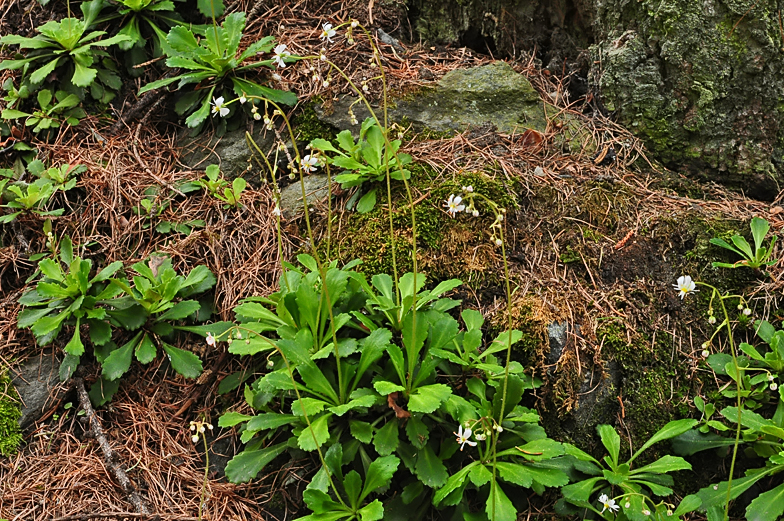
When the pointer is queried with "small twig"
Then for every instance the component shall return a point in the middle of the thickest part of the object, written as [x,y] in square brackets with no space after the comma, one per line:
[108,455]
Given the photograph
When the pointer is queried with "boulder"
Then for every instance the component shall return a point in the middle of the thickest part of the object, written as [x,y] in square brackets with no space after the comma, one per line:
[494,94]
[37,381]
[700,82]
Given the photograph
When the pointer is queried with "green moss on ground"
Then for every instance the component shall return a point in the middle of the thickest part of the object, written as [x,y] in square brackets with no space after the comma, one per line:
[446,246]
[655,386]
[10,412]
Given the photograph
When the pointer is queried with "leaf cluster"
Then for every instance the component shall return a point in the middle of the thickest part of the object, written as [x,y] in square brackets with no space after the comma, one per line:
[152,304]
[368,159]
[358,371]
[218,187]
[635,485]
[69,51]
[757,258]
[214,61]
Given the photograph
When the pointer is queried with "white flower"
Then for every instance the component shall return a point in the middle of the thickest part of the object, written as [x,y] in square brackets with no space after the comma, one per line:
[209,426]
[685,286]
[270,364]
[280,55]
[740,307]
[498,428]
[711,320]
[327,33]
[608,503]
[193,426]
[774,386]
[276,76]
[747,312]
[462,437]
[256,116]
[195,438]
[475,213]
[276,211]
[210,339]
[646,512]
[354,23]
[309,163]
[480,436]
[705,353]
[243,99]
[771,377]
[627,505]
[326,83]
[218,108]
[468,188]
[453,205]
[239,334]
[499,242]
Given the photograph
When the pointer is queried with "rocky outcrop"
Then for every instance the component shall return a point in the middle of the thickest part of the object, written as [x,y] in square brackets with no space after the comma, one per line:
[492,94]
[699,82]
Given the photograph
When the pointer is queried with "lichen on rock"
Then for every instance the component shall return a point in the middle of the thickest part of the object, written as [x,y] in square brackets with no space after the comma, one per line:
[701,83]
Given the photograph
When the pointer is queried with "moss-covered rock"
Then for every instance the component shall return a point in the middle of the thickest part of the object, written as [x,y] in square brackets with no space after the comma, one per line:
[700,82]
[494,94]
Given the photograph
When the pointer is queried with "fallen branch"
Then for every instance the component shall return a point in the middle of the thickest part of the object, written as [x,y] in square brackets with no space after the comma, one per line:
[109,457]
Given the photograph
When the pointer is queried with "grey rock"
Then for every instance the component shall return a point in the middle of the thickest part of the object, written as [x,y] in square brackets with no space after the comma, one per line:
[556,333]
[231,151]
[316,188]
[221,452]
[37,381]
[597,396]
[491,94]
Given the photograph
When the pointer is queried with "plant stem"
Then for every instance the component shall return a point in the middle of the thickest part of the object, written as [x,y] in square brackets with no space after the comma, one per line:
[206,473]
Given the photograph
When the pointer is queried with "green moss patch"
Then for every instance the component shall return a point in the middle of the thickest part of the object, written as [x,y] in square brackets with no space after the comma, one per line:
[10,412]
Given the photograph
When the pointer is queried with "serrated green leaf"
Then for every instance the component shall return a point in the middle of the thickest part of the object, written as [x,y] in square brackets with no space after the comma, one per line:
[385,388]
[454,482]
[184,362]
[373,511]
[146,350]
[498,506]
[270,420]
[102,390]
[180,310]
[768,506]
[119,361]
[361,430]
[430,469]
[670,430]
[232,418]
[379,474]
[75,347]
[247,464]
[386,439]
[428,398]
[316,435]
[611,441]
